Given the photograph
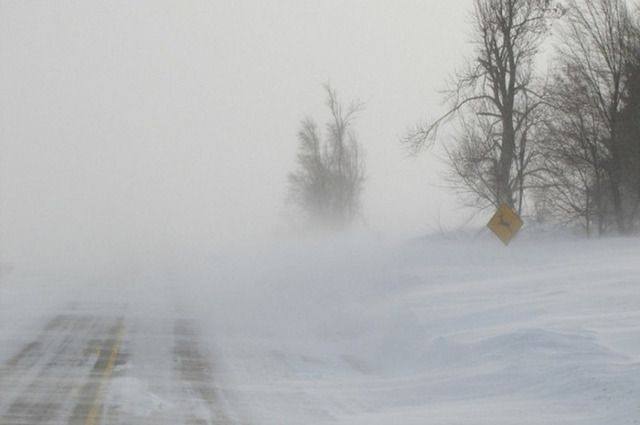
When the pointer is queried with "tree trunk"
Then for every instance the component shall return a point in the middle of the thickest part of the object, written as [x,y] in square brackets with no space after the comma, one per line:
[507,151]
[615,178]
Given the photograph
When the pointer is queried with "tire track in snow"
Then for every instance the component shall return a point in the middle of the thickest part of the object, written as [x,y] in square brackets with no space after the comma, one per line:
[89,407]
[196,373]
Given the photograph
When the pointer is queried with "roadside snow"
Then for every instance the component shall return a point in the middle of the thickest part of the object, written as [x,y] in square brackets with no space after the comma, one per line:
[359,331]
[437,331]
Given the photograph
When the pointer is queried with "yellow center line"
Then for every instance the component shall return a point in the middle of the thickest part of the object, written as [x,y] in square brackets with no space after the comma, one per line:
[92,416]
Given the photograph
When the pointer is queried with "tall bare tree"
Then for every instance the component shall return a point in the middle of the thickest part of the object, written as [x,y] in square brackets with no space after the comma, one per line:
[571,183]
[328,183]
[498,85]
[630,136]
[596,46]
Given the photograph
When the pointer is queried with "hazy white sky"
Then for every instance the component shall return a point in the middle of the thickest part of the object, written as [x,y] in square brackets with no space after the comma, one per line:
[131,125]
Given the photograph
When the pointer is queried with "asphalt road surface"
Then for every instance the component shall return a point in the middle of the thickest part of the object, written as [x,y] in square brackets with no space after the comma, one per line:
[84,369]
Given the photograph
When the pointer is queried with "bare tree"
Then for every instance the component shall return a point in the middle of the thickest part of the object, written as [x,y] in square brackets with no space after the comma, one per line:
[571,181]
[474,160]
[497,86]
[629,129]
[328,183]
[596,47]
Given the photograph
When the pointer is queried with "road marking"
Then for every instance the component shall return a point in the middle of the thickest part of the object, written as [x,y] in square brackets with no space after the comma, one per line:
[92,416]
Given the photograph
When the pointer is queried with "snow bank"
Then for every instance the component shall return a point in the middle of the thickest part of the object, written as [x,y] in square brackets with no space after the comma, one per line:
[433,331]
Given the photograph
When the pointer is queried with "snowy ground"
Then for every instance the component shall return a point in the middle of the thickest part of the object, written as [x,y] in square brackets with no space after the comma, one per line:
[436,332]
[432,331]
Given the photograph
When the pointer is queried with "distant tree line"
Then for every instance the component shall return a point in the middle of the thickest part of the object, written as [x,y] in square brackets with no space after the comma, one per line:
[561,145]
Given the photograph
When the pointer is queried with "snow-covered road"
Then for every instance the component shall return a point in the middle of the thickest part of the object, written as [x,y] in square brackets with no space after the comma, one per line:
[85,369]
[436,331]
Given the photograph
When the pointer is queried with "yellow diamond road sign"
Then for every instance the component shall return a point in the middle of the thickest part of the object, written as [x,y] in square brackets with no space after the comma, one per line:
[505,223]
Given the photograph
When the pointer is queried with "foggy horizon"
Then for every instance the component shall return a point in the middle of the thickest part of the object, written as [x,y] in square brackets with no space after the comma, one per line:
[155,125]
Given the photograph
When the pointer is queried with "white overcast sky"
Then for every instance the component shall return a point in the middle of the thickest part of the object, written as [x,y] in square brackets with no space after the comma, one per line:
[131,124]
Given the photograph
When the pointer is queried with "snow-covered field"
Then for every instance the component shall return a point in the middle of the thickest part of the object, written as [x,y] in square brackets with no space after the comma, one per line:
[362,331]
[434,331]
